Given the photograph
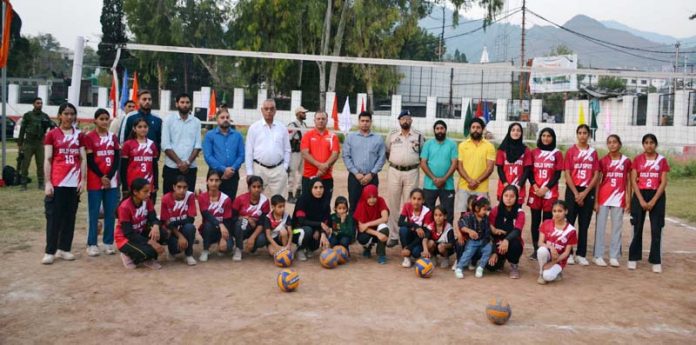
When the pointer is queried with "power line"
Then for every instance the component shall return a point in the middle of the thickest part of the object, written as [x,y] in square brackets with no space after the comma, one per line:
[481,27]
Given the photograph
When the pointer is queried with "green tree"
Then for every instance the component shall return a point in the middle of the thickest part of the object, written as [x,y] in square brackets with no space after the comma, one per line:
[422,45]
[560,49]
[113,33]
[611,83]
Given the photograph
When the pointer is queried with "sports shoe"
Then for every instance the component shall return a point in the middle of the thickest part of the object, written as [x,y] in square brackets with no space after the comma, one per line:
[300,253]
[582,261]
[471,267]
[514,271]
[657,268]
[406,263]
[93,251]
[479,272]
[127,262]
[237,256]
[204,256]
[367,252]
[190,261]
[153,264]
[533,256]
[309,253]
[382,260]
[392,243]
[599,262]
[47,259]
[458,274]
[541,280]
[613,262]
[444,262]
[68,256]
[109,249]
[571,259]
[632,265]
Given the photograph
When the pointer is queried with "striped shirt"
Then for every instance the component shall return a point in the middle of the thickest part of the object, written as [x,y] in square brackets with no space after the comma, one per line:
[364,153]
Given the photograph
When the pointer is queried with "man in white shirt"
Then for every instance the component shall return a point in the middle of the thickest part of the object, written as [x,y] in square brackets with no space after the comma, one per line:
[267,151]
[181,143]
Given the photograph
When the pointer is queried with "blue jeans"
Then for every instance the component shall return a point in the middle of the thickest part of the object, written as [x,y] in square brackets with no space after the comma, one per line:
[341,240]
[473,247]
[189,232]
[95,198]
[410,240]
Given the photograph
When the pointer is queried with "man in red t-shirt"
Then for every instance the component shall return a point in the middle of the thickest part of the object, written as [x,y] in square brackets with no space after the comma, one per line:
[320,150]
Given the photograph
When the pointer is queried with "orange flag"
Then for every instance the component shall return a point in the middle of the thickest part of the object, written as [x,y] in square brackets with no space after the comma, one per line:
[334,112]
[134,95]
[212,107]
[5,44]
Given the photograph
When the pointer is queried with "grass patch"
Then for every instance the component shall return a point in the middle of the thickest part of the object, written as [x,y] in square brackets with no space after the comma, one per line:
[680,193]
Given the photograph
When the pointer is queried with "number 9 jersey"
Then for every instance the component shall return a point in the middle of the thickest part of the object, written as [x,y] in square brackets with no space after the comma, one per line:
[103,149]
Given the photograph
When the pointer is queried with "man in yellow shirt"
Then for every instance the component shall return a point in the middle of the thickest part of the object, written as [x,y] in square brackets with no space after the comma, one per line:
[476,162]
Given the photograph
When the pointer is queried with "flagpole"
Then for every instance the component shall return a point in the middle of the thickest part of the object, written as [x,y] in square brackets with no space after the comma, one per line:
[4,99]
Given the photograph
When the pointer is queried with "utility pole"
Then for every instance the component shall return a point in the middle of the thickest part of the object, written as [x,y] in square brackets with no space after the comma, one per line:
[676,64]
[522,60]
[441,51]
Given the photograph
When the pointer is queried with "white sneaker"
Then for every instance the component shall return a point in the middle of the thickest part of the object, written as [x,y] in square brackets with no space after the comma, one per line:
[458,274]
[127,262]
[190,261]
[471,267]
[68,256]
[93,251]
[479,272]
[153,264]
[406,263]
[204,256]
[300,253]
[582,261]
[571,260]
[237,256]
[657,268]
[47,259]
[109,249]
[613,262]
[600,262]
[632,265]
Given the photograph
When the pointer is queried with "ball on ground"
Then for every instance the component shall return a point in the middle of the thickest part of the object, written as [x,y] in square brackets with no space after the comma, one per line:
[283,258]
[328,258]
[342,254]
[288,280]
[424,268]
[498,311]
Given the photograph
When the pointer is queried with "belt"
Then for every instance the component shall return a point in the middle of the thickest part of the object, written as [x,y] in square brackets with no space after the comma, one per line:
[405,168]
[268,166]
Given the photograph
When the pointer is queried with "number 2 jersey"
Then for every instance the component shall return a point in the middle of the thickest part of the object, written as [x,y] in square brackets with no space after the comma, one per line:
[544,166]
[141,160]
[649,172]
[612,189]
[66,160]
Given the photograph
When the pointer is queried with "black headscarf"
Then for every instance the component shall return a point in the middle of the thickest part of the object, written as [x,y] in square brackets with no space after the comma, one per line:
[551,146]
[311,208]
[514,148]
[505,219]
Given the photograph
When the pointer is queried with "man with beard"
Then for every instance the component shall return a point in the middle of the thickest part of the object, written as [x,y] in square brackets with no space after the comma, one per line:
[439,162]
[476,162]
[223,149]
[403,148]
[181,143]
[296,129]
[154,122]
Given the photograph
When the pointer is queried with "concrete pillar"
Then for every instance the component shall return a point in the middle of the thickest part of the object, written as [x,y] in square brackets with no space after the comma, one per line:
[681,107]
[330,99]
[624,115]
[196,99]
[653,109]
[500,109]
[13,94]
[430,110]
[295,100]
[102,97]
[238,100]
[165,100]
[43,93]
[396,107]
[535,111]
[260,97]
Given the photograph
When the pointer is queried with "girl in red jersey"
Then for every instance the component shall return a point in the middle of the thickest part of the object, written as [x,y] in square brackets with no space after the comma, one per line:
[372,215]
[581,175]
[514,162]
[441,241]
[138,235]
[177,212]
[139,158]
[547,166]
[413,233]
[556,239]
[248,211]
[507,222]
[103,156]
[216,209]
[648,181]
[613,198]
[64,165]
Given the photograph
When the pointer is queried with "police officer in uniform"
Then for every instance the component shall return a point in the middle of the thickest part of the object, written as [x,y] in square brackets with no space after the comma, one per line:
[403,148]
[295,129]
[34,125]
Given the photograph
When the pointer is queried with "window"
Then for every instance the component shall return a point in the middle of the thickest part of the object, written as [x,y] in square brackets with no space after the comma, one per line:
[640,110]
[553,108]
[643,82]
[518,110]
[691,113]
[666,110]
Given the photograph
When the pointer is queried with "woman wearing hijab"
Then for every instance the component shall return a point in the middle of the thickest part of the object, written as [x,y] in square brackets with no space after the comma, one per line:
[507,222]
[372,215]
[514,162]
[311,219]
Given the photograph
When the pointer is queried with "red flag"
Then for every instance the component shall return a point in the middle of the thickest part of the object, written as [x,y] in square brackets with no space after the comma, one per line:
[362,107]
[479,109]
[334,112]
[134,95]
[212,107]
[113,94]
[5,44]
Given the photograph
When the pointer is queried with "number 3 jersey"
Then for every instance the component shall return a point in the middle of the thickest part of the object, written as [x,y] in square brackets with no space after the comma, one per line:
[103,148]
[66,160]
[141,157]
[612,189]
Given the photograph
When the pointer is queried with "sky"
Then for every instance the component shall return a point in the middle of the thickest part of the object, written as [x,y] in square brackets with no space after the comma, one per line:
[66,19]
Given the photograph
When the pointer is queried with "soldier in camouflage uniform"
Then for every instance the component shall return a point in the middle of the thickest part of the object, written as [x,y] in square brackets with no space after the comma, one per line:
[30,142]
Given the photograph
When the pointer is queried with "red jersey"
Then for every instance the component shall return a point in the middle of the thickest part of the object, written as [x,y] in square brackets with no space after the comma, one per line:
[141,159]
[612,189]
[220,209]
[544,165]
[65,164]
[320,147]
[243,207]
[513,172]
[517,223]
[103,149]
[277,224]
[439,237]
[582,165]
[172,210]
[561,238]
[423,218]
[128,212]
[649,172]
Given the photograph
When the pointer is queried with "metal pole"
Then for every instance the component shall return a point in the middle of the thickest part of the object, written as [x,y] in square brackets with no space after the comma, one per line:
[4,101]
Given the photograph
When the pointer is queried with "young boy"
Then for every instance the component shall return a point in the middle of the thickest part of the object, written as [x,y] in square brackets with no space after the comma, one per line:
[177,213]
[277,226]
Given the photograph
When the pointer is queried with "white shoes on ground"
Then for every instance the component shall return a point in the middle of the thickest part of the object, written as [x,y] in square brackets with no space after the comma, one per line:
[190,261]
[237,256]
[614,262]
[47,259]
[68,256]
[459,274]
[632,265]
[657,268]
[571,259]
[479,272]
[406,263]
[582,261]
[93,251]
[600,262]
[204,256]
[109,249]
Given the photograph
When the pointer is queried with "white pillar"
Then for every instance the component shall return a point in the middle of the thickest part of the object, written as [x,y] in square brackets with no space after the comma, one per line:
[396,106]
[205,97]
[102,97]
[13,94]
[535,111]
[330,98]
[196,99]
[681,107]
[500,110]
[165,101]
[295,100]
[653,109]
[74,91]
[238,100]
[430,110]
[43,93]
[624,115]
[260,97]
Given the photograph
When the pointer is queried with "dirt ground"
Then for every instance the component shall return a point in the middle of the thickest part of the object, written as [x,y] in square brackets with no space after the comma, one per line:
[95,300]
